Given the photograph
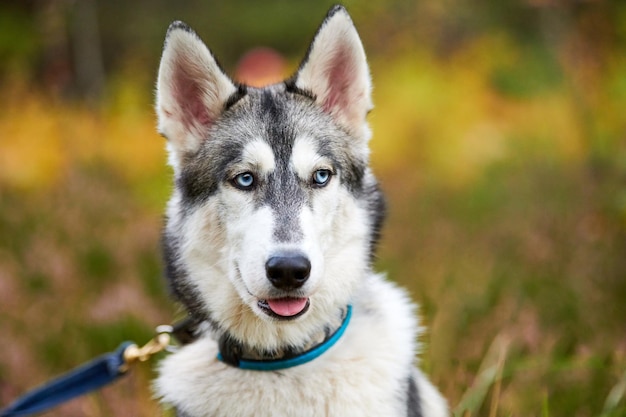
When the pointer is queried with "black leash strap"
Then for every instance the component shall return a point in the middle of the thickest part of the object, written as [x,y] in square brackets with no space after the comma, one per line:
[89,377]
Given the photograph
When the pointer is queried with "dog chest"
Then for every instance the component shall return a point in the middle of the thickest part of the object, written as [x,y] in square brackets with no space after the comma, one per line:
[352,378]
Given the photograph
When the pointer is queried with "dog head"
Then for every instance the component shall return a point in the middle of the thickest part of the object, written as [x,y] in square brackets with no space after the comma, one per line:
[275,213]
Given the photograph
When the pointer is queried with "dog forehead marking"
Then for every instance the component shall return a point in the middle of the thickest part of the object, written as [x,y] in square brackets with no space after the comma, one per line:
[258,153]
[305,157]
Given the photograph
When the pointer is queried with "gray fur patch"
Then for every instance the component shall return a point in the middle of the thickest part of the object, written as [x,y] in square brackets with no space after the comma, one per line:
[414,408]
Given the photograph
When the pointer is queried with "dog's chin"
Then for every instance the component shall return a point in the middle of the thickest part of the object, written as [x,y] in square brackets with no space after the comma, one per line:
[285,308]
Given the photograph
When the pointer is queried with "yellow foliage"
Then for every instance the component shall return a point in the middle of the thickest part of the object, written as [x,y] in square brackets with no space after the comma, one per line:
[43,137]
[448,118]
[32,146]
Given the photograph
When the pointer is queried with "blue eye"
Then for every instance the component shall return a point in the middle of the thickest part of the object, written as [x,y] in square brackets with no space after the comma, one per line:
[244,181]
[321,177]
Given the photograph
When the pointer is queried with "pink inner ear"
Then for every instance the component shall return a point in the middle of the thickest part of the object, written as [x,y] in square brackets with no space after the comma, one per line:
[189,97]
[340,78]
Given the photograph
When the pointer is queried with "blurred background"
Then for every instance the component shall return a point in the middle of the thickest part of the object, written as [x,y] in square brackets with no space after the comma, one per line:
[499,138]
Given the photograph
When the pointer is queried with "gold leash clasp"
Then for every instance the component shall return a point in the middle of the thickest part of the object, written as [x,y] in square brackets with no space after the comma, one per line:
[159,343]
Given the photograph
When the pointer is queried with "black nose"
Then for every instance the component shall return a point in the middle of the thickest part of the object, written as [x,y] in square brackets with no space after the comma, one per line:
[288,271]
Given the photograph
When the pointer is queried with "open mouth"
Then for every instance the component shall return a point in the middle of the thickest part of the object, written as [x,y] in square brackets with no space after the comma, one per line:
[286,308]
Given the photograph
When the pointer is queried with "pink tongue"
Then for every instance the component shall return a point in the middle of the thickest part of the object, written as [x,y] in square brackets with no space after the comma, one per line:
[287,306]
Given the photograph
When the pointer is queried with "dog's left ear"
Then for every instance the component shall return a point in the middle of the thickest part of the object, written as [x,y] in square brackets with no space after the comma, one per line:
[335,70]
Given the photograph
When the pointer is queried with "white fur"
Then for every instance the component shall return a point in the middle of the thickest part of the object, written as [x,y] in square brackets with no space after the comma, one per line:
[304,158]
[359,376]
[259,155]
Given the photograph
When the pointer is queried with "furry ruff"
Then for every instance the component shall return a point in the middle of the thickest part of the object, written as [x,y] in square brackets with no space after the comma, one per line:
[270,234]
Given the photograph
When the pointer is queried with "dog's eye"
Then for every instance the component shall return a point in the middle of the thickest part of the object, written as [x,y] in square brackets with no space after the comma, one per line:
[321,177]
[244,181]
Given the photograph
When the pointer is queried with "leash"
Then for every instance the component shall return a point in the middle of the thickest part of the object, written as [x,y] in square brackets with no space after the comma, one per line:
[111,366]
[91,376]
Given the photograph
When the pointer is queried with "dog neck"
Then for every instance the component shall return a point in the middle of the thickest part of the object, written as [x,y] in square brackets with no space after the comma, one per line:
[237,354]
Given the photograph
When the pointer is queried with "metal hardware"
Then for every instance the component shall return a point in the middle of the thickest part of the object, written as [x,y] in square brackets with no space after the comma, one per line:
[159,343]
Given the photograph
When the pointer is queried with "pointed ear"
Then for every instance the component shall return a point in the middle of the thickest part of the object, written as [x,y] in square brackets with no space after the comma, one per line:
[335,70]
[192,90]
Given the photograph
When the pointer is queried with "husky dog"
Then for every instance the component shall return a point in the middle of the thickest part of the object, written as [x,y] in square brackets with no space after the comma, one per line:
[269,241]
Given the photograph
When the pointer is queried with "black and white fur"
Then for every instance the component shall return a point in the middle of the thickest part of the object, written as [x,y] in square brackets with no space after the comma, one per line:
[270,234]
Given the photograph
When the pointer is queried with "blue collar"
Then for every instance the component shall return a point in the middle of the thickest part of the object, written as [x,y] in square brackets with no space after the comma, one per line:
[302,358]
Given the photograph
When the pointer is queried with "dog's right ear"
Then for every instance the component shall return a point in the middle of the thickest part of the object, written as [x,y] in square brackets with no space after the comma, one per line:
[192,91]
